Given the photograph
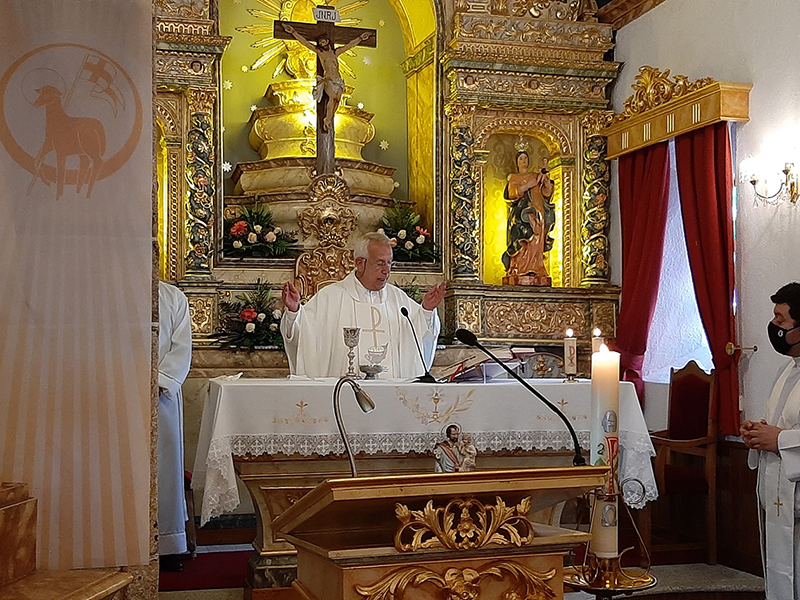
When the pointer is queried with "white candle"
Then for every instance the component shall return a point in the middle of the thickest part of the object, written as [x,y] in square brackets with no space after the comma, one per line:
[605,447]
[597,340]
[570,353]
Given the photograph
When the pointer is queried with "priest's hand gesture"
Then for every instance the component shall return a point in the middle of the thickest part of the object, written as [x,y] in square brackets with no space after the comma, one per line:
[760,436]
[290,297]
[434,296]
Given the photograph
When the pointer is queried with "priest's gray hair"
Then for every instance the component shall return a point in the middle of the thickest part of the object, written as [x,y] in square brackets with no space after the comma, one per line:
[362,247]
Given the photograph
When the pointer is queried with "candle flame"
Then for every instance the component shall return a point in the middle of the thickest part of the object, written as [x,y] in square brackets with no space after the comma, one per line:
[604,348]
[596,332]
[570,333]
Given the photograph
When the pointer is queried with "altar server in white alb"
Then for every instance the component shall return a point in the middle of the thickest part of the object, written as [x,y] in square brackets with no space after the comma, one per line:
[313,333]
[774,444]
[174,361]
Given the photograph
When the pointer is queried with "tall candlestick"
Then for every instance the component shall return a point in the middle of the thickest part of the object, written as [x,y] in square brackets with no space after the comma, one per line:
[570,353]
[605,447]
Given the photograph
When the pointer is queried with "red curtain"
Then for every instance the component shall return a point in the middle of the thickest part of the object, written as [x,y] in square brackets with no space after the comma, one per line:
[705,180]
[643,195]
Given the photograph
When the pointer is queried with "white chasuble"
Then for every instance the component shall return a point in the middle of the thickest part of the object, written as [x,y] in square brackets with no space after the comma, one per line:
[313,335]
[777,477]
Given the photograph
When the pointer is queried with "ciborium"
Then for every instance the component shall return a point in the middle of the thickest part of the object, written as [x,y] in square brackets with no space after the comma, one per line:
[351,337]
[374,356]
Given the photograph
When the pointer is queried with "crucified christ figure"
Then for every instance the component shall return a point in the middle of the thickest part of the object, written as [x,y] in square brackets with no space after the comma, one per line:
[330,82]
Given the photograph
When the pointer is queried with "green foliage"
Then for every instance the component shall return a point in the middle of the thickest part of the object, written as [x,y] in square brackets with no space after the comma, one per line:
[251,321]
[253,234]
[411,242]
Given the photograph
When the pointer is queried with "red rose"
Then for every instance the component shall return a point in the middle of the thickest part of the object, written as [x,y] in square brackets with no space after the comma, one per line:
[248,315]
[239,229]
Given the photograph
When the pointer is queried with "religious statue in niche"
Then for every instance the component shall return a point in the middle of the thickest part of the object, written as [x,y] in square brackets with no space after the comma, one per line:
[532,216]
[455,453]
[330,81]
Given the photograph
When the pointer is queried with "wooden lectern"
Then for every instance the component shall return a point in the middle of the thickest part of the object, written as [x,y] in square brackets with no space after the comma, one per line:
[445,535]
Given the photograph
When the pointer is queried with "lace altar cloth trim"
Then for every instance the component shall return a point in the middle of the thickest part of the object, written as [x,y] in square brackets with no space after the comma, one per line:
[221,495]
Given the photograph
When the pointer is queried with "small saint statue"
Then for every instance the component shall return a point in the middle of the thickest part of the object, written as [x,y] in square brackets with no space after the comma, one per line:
[330,82]
[447,453]
[468,452]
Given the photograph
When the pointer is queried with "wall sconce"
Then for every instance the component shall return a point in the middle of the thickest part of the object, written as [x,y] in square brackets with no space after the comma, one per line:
[789,189]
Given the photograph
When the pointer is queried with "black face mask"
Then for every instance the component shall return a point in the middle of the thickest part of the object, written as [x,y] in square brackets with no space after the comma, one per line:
[777,337]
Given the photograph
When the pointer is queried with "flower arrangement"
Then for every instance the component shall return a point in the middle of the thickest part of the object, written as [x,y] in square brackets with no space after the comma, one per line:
[253,234]
[251,322]
[410,241]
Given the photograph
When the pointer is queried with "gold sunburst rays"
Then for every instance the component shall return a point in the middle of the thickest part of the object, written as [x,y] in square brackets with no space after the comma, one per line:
[298,61]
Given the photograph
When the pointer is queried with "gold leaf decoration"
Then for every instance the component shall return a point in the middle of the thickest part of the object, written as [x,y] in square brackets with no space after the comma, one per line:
[654,88]
[463,524]
[463,584]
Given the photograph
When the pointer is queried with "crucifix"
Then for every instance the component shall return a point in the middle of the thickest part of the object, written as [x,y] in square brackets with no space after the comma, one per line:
[330,85]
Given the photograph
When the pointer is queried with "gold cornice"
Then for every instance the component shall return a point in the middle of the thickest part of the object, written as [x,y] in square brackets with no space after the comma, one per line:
[661,108]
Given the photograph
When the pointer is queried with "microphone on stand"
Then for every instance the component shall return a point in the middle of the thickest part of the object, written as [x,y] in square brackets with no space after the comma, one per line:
[427,378]
[467,337]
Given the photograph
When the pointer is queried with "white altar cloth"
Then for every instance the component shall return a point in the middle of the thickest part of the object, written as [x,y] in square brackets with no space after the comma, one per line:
[295,417]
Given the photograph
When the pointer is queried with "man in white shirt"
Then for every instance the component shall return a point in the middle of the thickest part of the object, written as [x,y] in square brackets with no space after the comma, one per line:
[774,444]
[313,333]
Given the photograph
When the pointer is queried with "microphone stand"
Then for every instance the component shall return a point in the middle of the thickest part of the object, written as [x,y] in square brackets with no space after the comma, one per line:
[427,378]
[469,338]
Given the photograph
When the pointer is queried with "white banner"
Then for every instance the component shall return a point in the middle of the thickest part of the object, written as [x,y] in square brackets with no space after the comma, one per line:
[75,272]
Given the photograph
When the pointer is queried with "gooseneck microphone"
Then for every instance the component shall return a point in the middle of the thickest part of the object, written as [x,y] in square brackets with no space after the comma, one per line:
[467,337]
[427,378]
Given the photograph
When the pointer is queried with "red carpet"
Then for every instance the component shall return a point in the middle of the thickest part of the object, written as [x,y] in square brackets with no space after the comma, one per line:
[208,571]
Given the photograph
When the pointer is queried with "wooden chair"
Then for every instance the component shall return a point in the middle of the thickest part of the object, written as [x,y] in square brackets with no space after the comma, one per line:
[692,430]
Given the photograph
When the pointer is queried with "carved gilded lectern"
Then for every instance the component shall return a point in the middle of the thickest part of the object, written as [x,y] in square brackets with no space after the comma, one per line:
[445,535]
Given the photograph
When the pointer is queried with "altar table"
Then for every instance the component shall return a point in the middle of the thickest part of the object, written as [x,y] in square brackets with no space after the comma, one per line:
[287,417]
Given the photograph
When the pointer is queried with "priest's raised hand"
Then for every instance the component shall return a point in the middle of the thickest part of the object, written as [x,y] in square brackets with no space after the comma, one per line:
[290,297]
[434,296]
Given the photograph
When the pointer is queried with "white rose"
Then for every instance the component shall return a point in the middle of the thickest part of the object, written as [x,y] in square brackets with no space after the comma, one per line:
[261,317]
[421,239]
[276,314]
[257,228]
[273,327]
[278,231]
[381,231]
[252,238]
[270,237]
[250,327]
[401,234]
[409,245]
[237,244]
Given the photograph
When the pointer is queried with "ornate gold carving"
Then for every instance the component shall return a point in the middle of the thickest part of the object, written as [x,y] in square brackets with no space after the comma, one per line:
[329,219]
[594,230]
[653,88]
[460,114]
[580,39]
[553,88]
[558,138]
[594,121]
[322,265]
[175,67]
[201,100]
[463,205]
[195,28]
[560,10]
[604,317]
[468,314]
[201,311]
[463,584]
[464,524]
[196,9]
[215,44]
[515,318]
[175,216]
[168,113]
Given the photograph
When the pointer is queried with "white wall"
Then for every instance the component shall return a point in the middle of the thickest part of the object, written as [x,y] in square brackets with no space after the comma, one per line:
[756,41]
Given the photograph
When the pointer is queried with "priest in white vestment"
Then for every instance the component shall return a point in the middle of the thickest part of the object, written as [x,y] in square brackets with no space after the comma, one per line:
[312,333]
[174,361]
[774,444]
